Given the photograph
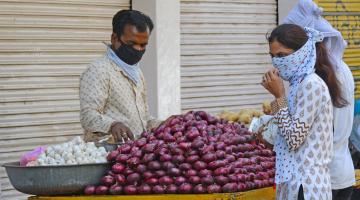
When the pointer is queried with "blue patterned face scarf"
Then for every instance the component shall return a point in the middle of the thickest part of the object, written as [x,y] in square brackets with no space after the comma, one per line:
[296,66]
[132,71]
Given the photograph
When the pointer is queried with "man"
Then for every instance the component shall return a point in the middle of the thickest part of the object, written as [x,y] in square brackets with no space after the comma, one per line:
[307,13]
[113,98]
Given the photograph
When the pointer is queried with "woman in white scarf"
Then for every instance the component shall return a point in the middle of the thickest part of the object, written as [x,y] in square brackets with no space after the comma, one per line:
[307,14]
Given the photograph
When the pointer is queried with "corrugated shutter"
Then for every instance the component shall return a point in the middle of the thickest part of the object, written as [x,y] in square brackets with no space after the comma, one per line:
[44,46]
[224,53]
[345,16]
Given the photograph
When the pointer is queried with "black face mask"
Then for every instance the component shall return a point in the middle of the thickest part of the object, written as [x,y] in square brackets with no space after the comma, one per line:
[128,54]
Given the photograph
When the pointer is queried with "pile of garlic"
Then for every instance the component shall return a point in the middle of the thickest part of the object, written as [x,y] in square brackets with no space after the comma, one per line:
[71,153]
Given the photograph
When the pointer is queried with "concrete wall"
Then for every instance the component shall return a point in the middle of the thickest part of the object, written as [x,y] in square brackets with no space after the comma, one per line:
[161,62]
[284,6]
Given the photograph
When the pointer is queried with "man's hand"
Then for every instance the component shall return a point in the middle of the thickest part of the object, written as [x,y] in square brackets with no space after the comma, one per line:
[120,131]
[273,83]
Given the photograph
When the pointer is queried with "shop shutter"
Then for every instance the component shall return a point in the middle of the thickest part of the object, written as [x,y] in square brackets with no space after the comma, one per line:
[224,53]
[344,15]
[44,47]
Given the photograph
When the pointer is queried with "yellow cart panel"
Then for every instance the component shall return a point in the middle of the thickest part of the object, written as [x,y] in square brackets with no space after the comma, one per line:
[259,194]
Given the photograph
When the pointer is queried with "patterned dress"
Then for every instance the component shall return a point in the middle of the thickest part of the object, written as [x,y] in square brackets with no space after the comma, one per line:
[107,95]
[309,134]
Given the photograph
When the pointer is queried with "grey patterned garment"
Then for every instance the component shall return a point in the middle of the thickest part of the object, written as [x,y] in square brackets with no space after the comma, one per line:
[309,134]
[108,95]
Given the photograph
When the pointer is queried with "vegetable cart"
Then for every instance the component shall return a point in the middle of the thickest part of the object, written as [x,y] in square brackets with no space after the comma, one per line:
[259,194]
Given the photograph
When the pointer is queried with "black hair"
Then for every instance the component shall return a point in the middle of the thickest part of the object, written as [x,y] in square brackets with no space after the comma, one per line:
[135,18]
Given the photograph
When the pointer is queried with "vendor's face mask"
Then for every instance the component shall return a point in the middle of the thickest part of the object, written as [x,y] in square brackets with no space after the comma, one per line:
[128,54]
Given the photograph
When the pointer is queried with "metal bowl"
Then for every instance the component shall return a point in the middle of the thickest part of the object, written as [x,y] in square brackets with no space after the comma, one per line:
[55,180]
[108,146]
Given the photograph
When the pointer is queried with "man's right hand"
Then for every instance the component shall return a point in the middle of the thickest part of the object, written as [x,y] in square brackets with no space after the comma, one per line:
[120,131]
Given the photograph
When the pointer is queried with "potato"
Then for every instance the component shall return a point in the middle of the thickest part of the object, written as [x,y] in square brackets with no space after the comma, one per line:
[245,118]
[267,107]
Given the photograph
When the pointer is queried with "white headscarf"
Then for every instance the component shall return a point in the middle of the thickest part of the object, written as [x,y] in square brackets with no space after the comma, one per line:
[307,14]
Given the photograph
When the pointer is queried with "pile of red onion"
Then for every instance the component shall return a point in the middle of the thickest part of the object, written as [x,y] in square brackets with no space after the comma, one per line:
[192,153]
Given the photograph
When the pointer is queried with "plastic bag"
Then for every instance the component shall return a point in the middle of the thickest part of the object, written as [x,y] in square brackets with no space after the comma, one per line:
[31,156]
[265,125]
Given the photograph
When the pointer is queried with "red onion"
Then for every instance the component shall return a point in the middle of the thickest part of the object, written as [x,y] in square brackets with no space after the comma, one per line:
[181,139]
[148,175]
[165,157]
[130,190]
[184,145]
[233,178]
[180,180]
[144,189]
[149,148]
[177,159]
[189,173]
[160,173]
[207,180]
[197,144]
[134,161]
[220,154]
[171,189]
[205,172]
[213,189]
[199,165]
[115,190]
[208,157]
[148,157]
[89,190]
[177,151]
[174,172]
[154,165]
[178,134]
[230,158]
[152,181]
[167,165]
[195,180]
[192,134]
[122,158]
[112,156]
[165,180]
[185,166]
[120,179]
[229,187]
[140,142]
[132,179]
[221,180]
[169,138]
[101,190]
[141,169]
[158,189]
[192,159]
[118,168]
[191,152]
[125,149]
[221,171]
[199,189]
[108,180]
[161,151]
[185,188]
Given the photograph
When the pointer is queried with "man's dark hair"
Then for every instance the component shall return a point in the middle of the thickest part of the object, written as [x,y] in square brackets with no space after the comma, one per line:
[135,18]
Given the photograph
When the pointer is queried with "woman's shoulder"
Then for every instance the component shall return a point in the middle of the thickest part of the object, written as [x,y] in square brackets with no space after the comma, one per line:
[313,81]
[314,85]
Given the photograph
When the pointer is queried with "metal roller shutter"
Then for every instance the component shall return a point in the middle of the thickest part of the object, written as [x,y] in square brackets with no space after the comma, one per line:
[44,47]
[224,53]
[345,16]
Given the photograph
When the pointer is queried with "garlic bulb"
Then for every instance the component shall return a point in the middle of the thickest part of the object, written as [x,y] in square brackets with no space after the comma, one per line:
[76,151]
